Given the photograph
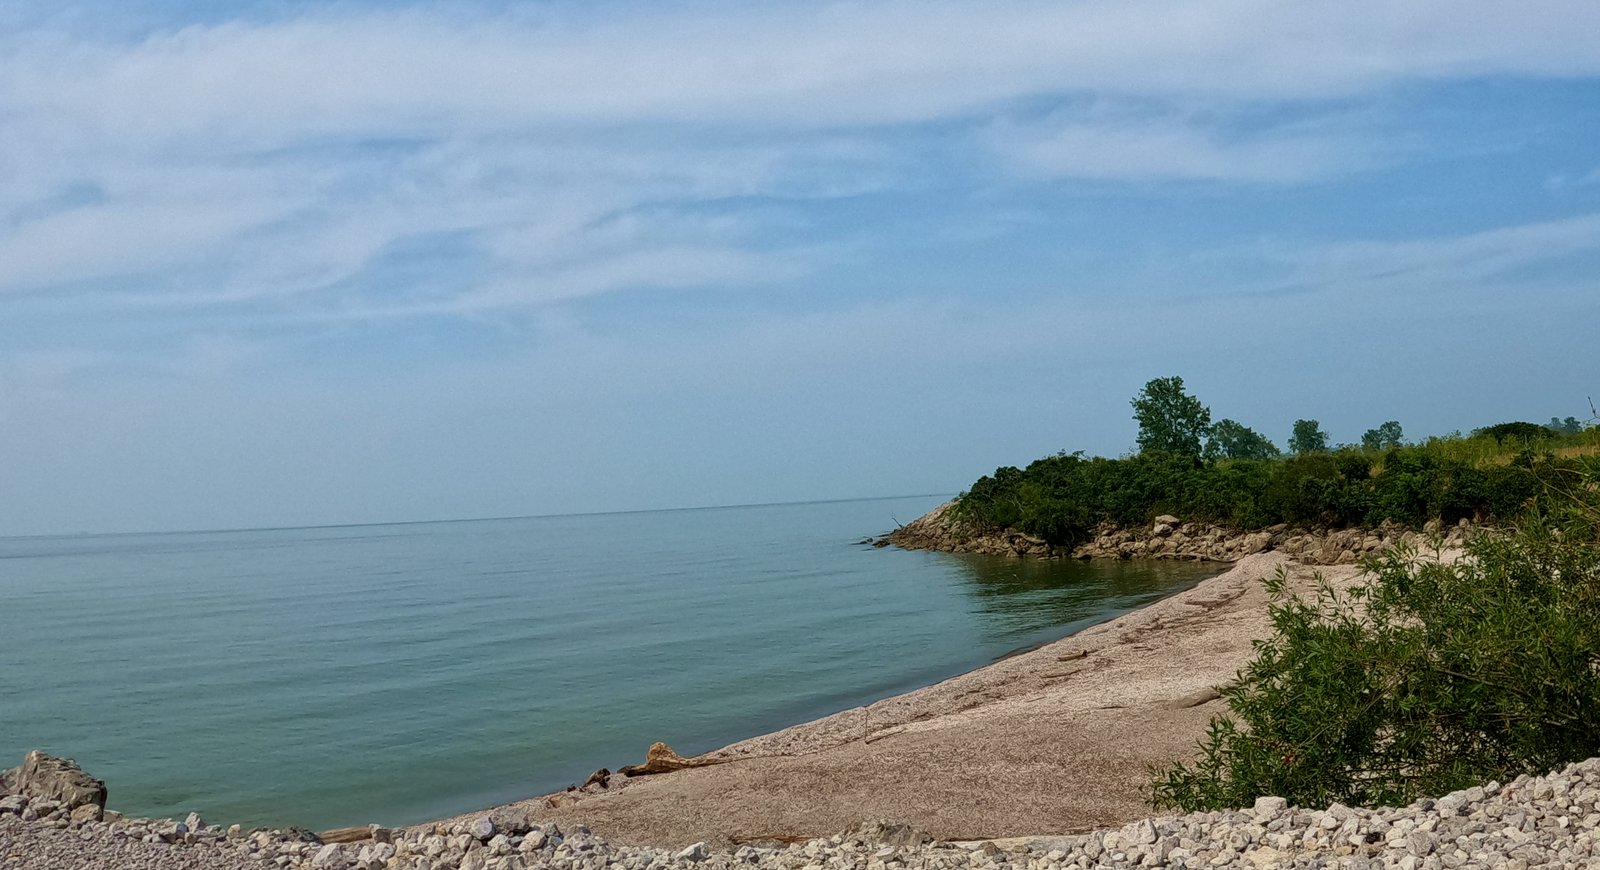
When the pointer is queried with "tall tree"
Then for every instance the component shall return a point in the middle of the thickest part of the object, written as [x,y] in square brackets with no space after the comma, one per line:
[1170,420]
[1231,439]
[1308,437]
[1385,437]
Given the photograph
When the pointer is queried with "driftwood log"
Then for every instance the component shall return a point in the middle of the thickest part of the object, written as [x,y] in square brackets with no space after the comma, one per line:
[661,759]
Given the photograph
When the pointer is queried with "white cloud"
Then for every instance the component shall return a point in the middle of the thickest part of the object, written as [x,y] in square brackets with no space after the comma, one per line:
[1170,149]
[372,73]
[279,158]
[1448,264]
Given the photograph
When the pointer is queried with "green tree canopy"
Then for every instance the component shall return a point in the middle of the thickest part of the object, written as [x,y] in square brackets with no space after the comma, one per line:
[1308,437]
[1231,439]
[1170,420]
[1385,437]
[1569,426]
[1516,433]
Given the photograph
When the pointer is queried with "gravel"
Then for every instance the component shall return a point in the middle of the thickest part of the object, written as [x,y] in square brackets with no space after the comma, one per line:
[1550,821]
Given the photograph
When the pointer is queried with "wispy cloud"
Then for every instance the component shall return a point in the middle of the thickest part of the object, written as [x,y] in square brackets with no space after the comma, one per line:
[433,69]
[1175,149]
[283,158]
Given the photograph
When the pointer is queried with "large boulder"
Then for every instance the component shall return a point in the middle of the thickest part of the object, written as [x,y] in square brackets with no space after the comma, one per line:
[46,777]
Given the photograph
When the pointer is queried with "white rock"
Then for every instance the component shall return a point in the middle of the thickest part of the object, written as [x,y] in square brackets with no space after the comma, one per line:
[1269,807]
[482,827]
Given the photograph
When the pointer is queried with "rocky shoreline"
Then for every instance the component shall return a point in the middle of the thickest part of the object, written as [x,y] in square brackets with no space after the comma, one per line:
[1548,821]
[1171,538]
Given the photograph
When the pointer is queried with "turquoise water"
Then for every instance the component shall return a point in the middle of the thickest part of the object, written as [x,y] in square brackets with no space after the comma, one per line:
[337,676]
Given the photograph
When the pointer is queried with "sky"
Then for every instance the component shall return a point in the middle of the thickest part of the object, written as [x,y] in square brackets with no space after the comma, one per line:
[292,263]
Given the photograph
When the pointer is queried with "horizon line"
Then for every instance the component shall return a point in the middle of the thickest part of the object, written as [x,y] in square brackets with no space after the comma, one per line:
[289,528]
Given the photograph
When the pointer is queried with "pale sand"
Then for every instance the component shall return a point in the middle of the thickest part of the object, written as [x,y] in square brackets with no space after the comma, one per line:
[1039,743]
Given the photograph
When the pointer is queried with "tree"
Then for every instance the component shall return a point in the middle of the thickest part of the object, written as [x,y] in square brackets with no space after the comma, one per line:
[1516,432]
[1308,437]
[1385,437]
[1170,420]
[1569,426]
[1234,440]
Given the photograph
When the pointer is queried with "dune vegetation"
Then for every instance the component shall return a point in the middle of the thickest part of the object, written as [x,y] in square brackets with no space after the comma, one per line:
[1227,473]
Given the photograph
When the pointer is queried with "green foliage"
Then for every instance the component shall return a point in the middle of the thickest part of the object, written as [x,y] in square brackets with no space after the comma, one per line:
[1516,433]
[1569,426]
[1230,474]
[1308,437]
[1170,420]
[1385,437]
[1063,498]
[1425,679]
[1230,439]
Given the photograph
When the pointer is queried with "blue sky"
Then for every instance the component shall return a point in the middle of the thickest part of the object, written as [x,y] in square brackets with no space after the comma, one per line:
[294,263]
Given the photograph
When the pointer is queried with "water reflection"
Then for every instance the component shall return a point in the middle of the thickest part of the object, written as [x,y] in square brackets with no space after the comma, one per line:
[1025,601]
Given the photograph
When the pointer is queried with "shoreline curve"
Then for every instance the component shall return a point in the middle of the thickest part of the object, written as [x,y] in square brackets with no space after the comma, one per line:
[1053,740]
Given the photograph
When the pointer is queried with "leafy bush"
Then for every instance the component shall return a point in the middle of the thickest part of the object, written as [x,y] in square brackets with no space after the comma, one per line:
[1230,474]
[1517,433]
[1062,498]
[1425,679]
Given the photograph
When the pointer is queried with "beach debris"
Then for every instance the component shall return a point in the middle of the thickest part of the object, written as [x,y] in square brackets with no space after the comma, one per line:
[661,759]
[601,777]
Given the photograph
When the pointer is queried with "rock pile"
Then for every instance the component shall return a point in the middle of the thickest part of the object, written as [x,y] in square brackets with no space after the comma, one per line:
[1550,821]
[939,529]
[1170,538]
[45,777]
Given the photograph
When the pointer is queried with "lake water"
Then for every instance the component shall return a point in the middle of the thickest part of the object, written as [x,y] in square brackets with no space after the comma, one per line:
[324,677]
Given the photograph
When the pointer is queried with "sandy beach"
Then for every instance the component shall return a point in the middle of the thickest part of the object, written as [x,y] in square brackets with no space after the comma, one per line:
[1056,740]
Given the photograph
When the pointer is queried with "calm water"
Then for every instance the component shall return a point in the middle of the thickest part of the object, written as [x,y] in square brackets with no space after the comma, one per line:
[336,676]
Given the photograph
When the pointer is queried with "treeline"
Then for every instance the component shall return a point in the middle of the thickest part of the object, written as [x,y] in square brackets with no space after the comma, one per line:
[1227,473]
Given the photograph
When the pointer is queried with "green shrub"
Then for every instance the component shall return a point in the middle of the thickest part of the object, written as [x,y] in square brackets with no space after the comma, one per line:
[1517,433]
[1424,679]
[1062,498]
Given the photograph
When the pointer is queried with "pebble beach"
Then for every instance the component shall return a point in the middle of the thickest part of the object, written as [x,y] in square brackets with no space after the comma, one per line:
[1533,822]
